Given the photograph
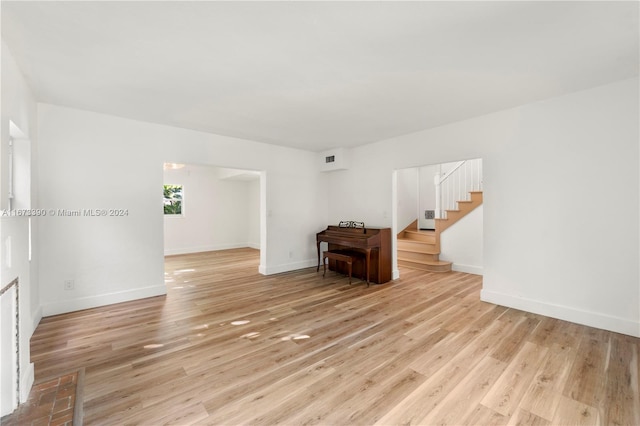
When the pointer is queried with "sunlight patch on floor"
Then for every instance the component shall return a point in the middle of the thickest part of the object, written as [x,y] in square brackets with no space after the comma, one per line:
[154,346]
[295,336]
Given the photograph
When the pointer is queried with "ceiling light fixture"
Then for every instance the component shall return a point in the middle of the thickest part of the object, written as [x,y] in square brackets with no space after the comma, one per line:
[172,166]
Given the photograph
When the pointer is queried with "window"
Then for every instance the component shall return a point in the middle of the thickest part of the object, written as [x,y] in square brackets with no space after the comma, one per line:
[173,198]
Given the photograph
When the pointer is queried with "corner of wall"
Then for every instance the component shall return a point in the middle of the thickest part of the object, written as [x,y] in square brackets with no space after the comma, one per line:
[36,317]
[395,274]
[287,267]
[469,269]
[26,381]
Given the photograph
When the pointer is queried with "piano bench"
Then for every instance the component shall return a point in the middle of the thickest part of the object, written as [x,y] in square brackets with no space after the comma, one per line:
[341,256]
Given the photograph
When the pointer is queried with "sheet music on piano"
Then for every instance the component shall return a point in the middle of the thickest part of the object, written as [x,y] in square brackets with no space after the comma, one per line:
[351,224]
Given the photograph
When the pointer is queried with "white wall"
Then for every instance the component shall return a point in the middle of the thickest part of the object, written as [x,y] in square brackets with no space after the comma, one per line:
[253,207]
[461,243]
[18,107]
[407,197]
[217,213]
[427,195]
[549,168]
[572,171]
[96,161]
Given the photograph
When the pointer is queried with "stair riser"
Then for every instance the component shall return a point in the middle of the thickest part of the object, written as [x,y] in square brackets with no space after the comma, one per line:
[423,267]
[425,238]
[416,246]
[412,255]
[476,196]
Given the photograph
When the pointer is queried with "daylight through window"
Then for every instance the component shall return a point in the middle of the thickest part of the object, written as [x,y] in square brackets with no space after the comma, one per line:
[173,198]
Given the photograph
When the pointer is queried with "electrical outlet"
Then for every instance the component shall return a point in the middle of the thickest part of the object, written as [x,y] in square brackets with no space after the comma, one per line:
[69,285]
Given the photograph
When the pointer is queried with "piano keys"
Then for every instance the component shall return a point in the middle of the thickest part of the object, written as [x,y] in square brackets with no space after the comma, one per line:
[373,243]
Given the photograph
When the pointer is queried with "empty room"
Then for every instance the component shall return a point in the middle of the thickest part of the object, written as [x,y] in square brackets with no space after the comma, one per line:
[236,212]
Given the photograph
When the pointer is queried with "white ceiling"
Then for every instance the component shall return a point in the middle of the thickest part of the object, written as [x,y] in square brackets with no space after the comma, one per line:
[316,75]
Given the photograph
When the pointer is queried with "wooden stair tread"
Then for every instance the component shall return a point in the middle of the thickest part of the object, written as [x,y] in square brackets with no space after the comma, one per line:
[420,231]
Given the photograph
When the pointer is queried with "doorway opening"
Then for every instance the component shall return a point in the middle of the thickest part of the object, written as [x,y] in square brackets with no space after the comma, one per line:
[16,373]
[438,217]
[220,208]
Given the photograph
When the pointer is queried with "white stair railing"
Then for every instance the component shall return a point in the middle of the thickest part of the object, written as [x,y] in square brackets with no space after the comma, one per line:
[455,185]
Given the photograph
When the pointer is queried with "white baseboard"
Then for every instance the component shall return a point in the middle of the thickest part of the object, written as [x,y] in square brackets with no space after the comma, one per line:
[469,269]
[286,267]
[26,381]
[36,317]
[200,249]
[71,305]
[566,313]
[395,274]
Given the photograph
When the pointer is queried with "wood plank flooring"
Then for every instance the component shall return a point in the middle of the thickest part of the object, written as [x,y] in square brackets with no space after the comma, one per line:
[230,346]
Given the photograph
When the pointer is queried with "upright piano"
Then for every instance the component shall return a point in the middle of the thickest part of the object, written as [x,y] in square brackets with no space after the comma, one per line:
[373,243]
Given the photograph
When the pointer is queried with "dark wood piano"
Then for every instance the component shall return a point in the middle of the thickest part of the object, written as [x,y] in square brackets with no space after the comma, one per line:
[373,243]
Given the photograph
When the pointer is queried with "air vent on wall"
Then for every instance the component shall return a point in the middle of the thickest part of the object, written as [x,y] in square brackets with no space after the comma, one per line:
[334,159]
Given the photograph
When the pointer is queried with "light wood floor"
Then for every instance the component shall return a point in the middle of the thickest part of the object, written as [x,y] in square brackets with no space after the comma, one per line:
[229,346]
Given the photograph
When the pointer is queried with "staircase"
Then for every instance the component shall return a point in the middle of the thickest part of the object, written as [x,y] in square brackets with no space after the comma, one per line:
[419,249]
